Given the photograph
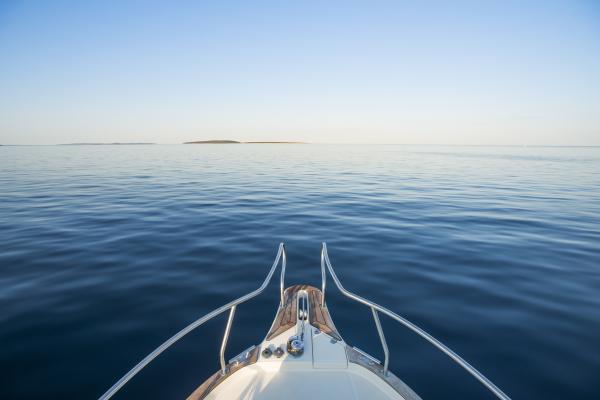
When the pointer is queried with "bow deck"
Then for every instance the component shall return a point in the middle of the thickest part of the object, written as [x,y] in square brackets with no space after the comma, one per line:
[327,367]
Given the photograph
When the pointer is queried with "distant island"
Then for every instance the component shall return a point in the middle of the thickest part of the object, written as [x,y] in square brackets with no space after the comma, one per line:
[103,144]
[236,142]
[213,142]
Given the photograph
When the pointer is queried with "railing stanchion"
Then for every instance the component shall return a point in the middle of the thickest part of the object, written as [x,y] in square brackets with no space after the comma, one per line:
[323,274]
[282,277]
[386,351]
[225,339]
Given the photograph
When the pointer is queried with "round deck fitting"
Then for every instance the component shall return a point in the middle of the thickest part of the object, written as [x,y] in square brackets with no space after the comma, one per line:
[295,347]
[279,352]
[266,353]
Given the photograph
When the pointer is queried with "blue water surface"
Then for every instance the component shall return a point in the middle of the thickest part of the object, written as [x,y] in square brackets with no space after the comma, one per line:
[106,251]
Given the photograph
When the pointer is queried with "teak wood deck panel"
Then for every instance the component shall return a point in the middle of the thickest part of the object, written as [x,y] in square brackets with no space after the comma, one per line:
[319,316]
[287,315]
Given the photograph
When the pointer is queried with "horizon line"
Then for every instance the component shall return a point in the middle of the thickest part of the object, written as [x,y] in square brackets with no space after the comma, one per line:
[298,142]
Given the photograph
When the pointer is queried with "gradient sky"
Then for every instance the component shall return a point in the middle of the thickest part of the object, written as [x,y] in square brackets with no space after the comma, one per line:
[447,72]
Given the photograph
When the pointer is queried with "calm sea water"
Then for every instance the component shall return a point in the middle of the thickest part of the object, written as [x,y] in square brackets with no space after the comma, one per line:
[106,251]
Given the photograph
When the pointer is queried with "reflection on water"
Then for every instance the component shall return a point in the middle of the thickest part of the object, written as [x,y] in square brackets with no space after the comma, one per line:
[109,250]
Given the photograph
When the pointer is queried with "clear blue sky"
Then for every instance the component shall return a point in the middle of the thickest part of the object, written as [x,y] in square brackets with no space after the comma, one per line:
[447,72]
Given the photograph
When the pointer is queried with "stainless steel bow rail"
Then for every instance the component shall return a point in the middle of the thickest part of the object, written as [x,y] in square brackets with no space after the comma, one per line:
[231,306]
[375,308]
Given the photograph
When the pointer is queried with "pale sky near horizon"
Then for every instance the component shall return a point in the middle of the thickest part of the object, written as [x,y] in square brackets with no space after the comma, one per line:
[436,72]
